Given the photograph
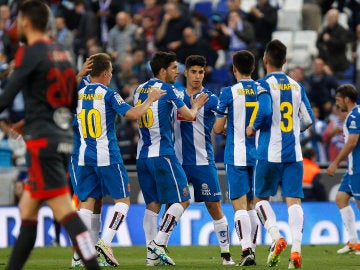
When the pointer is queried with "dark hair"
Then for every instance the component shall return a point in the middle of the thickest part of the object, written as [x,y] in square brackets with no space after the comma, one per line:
[276,53]
[347,90]
[244,62]
[308,152]
[101,62]
[195,60]
[161,60]
[37,12]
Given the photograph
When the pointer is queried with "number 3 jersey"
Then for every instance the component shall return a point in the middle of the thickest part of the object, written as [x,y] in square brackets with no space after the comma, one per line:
[280,140]
[238,103]
[95,114]
[155,126]
[45,74]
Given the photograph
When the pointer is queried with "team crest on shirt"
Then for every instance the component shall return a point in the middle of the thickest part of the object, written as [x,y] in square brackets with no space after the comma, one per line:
[185,192]
[118,98]
[205,191]
[179,94]
[352,125]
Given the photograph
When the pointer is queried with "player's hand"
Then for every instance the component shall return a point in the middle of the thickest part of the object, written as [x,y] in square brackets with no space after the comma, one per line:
[86,68]
[199,101]
[250,131]
[331,169]
[156,93]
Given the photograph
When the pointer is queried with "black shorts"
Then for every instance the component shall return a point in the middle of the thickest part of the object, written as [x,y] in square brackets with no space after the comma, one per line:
[48,167]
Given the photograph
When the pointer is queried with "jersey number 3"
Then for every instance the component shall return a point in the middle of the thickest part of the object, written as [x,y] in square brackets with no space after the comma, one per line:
[286,123]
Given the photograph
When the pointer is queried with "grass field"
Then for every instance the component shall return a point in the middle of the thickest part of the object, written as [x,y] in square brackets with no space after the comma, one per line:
[194,257]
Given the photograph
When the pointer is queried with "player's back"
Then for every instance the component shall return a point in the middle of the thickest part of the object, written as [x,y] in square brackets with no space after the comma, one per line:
[45,72]
[352,126]
[96,124]
[156,125]
[280,142]
[193,144]
[242,107]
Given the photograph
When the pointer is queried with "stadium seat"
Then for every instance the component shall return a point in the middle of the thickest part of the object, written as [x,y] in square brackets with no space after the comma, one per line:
[293,5]
[306,38]
[204,8]
[221,8]
[246,5]
[300,57]
[289,20]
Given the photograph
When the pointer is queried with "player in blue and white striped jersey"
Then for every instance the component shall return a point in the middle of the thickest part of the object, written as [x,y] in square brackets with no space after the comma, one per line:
[193,147]
[237,108]
[346,97]
[161,177]
[285,111]
[101,170]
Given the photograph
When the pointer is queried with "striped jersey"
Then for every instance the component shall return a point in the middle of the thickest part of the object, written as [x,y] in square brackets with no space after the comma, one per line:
[95,113]
[155,126]
[280,141]
[76,139]
[193,145]
[352,126]
[239,104]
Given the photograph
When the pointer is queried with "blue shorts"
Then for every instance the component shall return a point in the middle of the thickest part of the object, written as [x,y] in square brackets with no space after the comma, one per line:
[205,181]
[73,172]
[99,181]
[162,180]
[269,175]
[239,181]
[351,185]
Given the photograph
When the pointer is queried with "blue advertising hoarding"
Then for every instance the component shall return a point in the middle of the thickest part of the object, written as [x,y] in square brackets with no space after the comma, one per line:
[322,225]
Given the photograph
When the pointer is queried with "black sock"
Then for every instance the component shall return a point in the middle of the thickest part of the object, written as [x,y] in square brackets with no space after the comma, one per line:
[81,240]
[24,245]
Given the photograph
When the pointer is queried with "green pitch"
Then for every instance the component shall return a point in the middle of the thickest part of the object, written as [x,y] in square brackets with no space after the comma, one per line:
[193,257]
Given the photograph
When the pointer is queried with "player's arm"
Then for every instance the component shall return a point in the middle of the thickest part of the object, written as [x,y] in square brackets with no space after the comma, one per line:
[348,147]
[219,125]
[263,116]
[136,112]
[196,104]
[23,67]
[85,69]
[306,113]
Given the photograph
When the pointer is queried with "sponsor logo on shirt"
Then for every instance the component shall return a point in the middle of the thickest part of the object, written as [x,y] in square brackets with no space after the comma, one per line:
[118,98]
[185,192]
[352,125]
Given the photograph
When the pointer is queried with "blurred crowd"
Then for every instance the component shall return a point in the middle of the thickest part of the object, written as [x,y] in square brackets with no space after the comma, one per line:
[131,31]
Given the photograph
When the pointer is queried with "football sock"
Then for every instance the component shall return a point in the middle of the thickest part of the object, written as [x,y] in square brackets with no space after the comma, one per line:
[85,215]
[150,225]
[296,224]
[254,221]
[348,218]
[222,233]
[23,245]
[81,240]
[268,219]
[170,219]
[95,226]
[150,229]
[243,228]
[120,212]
